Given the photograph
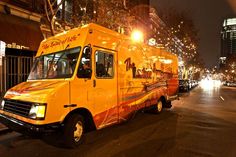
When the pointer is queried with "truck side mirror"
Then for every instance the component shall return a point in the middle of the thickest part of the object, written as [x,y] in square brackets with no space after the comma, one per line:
[87,52]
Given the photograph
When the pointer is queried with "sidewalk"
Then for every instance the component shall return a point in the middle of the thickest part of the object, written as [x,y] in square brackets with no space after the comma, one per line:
[4,129]
[2,126]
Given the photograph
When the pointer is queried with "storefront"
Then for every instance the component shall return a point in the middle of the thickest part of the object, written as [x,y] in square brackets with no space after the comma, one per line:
[22,37]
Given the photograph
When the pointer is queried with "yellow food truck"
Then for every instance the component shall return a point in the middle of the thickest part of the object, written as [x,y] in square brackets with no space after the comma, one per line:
[88,78]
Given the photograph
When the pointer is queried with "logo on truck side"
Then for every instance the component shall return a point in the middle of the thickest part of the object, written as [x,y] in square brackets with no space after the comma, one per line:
[56,42]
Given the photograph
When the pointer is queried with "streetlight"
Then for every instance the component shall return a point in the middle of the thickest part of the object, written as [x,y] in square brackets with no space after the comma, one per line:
[137,36]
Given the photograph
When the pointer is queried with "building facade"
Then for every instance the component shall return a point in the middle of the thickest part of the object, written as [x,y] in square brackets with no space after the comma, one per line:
[20,36]
[23,26]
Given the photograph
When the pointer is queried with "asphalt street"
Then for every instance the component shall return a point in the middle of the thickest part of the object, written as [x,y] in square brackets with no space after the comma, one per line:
[201,123]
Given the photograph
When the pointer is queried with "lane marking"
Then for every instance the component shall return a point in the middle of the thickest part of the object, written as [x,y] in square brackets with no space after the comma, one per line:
[222,98]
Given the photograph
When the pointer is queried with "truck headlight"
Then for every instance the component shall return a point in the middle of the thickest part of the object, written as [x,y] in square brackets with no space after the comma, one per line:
[37,111]
[2,104]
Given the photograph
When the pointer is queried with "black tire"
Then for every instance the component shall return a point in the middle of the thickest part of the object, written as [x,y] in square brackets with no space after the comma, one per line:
[74,123]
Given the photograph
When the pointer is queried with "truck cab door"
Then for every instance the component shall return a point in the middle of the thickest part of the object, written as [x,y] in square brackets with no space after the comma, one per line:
[105,88]
[82,84]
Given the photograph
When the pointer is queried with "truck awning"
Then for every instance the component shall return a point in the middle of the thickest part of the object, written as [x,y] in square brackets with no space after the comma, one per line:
[20,32]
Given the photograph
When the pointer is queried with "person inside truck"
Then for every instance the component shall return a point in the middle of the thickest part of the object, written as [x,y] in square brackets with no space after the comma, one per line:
[85,70]
[100,70]
[72,60]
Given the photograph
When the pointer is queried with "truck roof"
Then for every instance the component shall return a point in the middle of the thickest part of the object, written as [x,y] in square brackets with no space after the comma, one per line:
[73,38]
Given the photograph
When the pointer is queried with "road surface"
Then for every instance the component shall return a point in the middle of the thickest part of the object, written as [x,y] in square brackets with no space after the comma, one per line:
[201,123]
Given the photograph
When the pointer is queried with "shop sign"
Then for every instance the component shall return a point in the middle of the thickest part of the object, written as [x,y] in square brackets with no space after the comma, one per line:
[16,46]
[2,48]
[152,42]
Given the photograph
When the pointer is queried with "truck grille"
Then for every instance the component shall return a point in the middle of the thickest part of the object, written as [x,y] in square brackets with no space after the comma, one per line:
[17,107]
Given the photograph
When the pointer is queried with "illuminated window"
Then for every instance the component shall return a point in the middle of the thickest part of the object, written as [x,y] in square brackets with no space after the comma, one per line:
[104,65]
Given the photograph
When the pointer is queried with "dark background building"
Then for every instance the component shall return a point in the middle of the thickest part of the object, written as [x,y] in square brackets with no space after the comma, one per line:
[228,49]
[228,37]
[228,41]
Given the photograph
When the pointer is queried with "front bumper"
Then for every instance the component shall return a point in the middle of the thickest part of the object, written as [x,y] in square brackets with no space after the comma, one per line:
[23,127]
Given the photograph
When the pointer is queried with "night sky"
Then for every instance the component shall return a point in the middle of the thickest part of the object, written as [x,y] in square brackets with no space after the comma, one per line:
[208,17]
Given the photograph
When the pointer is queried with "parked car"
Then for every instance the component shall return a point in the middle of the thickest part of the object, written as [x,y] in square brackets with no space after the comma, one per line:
[189,84]
[194,83]
[184,85]
[230,83]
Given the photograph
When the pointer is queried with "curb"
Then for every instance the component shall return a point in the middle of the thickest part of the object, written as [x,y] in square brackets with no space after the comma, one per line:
[5,131]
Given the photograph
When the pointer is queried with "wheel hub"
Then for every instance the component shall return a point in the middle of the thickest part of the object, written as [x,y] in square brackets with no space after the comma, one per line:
[78,131]
[159,106]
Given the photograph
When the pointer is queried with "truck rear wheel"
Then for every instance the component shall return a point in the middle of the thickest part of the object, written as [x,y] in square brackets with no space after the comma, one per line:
[159,106]
[73,131]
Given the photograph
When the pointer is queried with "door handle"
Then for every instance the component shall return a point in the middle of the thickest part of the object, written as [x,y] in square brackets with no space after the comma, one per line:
[94,83]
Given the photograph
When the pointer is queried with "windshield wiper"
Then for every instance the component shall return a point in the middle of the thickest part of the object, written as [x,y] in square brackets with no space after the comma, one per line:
[56,62]
[62,54]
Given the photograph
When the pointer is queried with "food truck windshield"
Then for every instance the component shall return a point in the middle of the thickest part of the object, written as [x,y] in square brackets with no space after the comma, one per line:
[55,65]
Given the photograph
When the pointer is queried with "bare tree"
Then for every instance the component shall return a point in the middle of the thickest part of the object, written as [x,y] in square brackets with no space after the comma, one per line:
[51,9]
[230,67]
[113,14]
[182,26]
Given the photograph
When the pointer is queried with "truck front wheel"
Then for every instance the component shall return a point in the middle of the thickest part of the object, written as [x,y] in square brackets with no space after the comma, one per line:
[74,130]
